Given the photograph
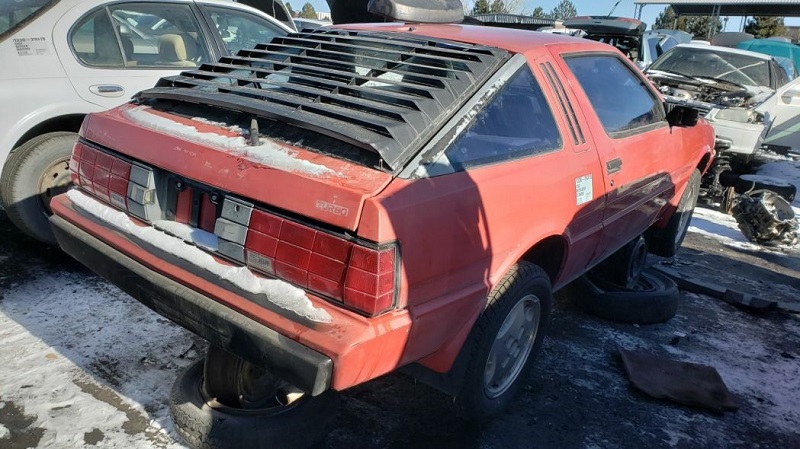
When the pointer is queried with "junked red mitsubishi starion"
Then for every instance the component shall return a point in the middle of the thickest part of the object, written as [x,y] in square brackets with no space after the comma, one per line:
[339,203]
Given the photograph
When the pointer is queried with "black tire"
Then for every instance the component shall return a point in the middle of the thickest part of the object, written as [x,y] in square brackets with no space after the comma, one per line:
[208,424]
[748,183]
[654,299]
[525,288]
[25,191]
[666,241]
[626,265]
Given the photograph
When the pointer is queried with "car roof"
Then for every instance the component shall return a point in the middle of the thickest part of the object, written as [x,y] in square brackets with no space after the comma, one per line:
[726,50]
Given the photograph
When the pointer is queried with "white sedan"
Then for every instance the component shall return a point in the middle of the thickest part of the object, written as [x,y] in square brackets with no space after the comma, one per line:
[62,59]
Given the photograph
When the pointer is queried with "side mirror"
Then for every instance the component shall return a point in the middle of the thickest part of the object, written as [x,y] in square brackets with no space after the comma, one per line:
[682,116]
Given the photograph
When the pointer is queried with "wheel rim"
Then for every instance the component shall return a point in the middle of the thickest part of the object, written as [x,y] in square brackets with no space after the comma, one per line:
[512,346]
[54,181]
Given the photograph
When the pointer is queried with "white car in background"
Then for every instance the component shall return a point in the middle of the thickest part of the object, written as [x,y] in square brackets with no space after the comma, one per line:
[62,59]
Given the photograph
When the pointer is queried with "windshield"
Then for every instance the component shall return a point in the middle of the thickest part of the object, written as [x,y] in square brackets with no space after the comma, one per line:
[16,14]
[707,63]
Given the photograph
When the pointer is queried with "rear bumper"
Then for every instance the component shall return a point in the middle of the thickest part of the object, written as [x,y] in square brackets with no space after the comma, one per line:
[301,366]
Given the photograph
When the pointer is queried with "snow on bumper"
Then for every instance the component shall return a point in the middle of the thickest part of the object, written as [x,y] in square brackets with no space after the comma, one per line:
[345,351]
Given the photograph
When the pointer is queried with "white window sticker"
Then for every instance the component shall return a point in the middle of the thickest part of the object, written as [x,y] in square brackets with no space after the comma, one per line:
[583,189]
[31,46]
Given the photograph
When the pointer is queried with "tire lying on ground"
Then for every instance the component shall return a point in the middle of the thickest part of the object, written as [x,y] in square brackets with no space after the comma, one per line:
[208,424]
[749,183]
[654,299]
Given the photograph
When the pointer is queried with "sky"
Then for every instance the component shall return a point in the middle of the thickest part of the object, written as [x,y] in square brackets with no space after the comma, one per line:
[625,8]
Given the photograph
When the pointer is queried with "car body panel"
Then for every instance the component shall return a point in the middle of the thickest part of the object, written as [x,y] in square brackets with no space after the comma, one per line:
[784,110]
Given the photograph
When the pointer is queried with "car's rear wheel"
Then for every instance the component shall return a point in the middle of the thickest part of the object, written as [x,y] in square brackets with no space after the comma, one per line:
[665,242]
[504,342]
[226,402]
[35,172]
[626,265]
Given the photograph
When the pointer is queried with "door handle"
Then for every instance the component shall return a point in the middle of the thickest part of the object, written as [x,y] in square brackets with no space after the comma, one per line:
[107,90]
[613,166]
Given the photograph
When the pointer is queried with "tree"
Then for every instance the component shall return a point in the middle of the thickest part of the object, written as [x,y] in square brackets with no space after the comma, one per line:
[539,13]
[564,10]
[481,7]
[761,26]
[498,7]
[289,8]
[308,12]
[697,26]
[666,19]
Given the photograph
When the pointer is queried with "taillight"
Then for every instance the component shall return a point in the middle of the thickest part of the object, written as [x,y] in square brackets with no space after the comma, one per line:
[362,276]
[359,276]
[124,184]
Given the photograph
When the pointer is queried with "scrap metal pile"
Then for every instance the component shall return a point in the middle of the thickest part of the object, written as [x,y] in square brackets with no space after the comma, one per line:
[764,217]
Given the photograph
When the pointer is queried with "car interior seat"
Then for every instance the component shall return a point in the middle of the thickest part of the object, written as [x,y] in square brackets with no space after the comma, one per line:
[173,50]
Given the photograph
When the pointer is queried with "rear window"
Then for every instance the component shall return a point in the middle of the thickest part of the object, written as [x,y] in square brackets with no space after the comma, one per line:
[14,15]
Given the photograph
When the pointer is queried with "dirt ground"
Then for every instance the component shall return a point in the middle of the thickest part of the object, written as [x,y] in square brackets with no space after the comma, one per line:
[578,395]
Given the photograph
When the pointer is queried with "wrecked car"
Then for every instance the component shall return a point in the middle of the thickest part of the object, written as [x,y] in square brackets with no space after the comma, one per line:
[623,33]
[337,204]
[735,90]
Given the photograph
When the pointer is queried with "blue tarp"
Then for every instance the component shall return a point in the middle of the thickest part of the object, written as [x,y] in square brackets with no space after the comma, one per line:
[775,48]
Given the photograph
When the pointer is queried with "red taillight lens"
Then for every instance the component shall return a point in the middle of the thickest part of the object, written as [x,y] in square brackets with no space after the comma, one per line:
[360,277]
[108,178]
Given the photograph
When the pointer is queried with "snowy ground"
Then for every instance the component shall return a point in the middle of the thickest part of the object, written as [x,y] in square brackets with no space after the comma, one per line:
[82,364]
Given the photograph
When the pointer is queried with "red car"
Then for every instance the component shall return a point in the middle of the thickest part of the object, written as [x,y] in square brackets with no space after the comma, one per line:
[334,205]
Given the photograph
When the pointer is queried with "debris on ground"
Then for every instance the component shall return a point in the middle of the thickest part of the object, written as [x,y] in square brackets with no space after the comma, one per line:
[751,303]
[765,218]
[686,383]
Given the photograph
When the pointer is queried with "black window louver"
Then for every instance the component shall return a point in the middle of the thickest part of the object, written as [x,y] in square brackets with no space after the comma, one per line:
[383,92]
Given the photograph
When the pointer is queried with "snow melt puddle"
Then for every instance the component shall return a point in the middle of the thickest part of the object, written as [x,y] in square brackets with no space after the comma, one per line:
[266,152]
[278,292]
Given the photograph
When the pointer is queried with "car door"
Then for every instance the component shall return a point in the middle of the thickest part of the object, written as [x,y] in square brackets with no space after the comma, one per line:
[636,146]
[784,110]
[113,51]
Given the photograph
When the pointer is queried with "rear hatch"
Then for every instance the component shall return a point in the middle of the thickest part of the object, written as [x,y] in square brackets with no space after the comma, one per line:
[268,156]
[343,110]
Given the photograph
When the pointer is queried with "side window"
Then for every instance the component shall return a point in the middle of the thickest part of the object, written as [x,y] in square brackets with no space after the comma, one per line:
[159,35]
[618,96]
[240,29]
[94,42]
[516,123]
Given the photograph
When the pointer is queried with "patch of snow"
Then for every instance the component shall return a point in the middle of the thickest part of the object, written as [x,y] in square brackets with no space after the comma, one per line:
[266,152]
[199,237]
[3,432]
[278,292]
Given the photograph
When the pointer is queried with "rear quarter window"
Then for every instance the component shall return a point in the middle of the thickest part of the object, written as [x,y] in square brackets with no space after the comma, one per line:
[517,122]
[618,96]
